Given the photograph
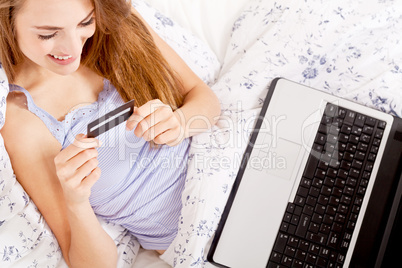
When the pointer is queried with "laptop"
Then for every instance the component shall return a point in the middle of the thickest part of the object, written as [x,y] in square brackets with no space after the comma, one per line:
[319,185]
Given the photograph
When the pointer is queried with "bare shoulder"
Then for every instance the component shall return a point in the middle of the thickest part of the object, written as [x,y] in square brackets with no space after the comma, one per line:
[26,137]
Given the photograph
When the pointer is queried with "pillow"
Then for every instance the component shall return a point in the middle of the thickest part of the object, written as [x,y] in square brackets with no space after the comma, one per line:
[210,20]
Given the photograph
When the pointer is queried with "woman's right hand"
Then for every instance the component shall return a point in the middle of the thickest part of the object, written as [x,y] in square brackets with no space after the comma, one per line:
[77,169]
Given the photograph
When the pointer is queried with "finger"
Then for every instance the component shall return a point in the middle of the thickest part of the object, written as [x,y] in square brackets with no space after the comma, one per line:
[169,138]
[78,160]
[162,114]
[161,127]
[80,144]
[85,169]
[92,178]
[142,112]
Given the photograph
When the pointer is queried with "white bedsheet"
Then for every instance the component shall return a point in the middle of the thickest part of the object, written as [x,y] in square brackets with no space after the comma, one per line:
[349,48]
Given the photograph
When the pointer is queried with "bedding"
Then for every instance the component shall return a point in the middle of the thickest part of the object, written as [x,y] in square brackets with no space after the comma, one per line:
[348,48]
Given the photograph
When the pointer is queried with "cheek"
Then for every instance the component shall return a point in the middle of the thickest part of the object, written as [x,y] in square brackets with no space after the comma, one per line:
[32,47]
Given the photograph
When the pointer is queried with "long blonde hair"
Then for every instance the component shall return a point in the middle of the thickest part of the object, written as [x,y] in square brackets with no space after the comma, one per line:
[122,50]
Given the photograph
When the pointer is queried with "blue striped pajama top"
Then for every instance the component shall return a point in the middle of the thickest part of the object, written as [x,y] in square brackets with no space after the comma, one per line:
[140,186]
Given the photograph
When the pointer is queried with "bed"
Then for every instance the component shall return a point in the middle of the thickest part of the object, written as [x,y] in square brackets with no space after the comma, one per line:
[352,49]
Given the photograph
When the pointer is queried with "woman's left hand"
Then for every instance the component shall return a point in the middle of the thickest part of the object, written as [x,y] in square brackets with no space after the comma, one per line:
[157,122]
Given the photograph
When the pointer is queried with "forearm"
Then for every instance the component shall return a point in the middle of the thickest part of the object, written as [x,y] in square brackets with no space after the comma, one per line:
[90,245]
[200,111]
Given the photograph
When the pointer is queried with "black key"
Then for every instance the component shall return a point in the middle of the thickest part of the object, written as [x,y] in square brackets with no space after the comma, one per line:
[302,191]
[348,190]
[370,121]
[314,249]
[331,210]
[322,262]
[326,120]
[351,148]
[291,229]
[337,228]
[355,173]
[369,166]
[284,227]
[314,192]
[304,245]
[276,257]
[311,166]
[362,147]
[290,208]
[378,133]
[349,117]
[342,173]
[293,242]
[368,130]
[343,209]
[357,130]
[328,219]
[317,218]
[298,211]
[348,156]
[365,138]
[346,200]
[320,138]
[325,229]
[343,138]
[300,255]
[340,218]
[297,264]
[305,182]
[333,240]
[323,200]
[317,182]
[303,225]
[334,129]
[311,258]
[346,129]
[320,174]
[354,139]
[311,201]
[376,142]
[351,182]
[328,181]
[290,251]
[299,200]
[287,261]
[309,210]
[314,227]
[381,124]
[374,149]
[360,155]
[332,138]
[331,110]
[341,112]
[360,119]
[357,164]
[281,242]
[287,217]
[334,201]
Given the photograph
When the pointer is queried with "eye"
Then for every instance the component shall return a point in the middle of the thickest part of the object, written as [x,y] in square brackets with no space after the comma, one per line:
[89,22]
[47,37]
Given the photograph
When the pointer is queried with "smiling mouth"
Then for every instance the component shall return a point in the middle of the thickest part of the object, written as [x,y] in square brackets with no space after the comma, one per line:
[61,57]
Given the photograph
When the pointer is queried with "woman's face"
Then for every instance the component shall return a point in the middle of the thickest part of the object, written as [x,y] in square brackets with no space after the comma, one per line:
[52,33]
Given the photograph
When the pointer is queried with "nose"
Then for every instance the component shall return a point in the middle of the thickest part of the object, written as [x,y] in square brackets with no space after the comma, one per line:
[71,44]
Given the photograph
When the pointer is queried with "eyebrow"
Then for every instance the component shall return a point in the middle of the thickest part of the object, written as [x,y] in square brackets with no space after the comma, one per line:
[54,28]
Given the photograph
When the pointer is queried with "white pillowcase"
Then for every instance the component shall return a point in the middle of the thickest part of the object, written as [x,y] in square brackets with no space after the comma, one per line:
[210,20]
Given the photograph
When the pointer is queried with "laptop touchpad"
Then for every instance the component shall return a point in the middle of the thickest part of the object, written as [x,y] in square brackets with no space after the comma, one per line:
[281,158]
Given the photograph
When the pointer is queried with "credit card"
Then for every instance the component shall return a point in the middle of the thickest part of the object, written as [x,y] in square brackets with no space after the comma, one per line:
[110,120]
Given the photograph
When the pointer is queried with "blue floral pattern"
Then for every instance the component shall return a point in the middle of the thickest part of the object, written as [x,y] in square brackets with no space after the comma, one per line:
[347,48]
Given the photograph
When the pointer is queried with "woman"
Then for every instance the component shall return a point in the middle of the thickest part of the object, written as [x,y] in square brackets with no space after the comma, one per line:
[69,62]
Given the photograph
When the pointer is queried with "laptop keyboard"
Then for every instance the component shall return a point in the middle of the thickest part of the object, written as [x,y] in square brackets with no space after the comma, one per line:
[318,225]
